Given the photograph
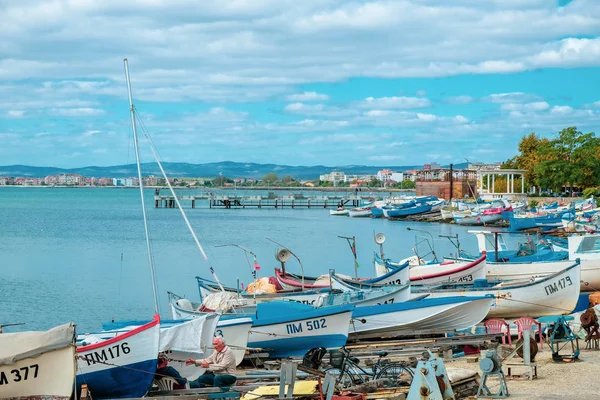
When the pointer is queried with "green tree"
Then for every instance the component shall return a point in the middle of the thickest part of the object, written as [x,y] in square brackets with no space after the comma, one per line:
[406,184]
[569,160]
[270,178]
[287,179]
[530,157]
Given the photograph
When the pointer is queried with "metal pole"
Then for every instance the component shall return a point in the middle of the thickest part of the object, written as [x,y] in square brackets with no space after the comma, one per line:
[141,185]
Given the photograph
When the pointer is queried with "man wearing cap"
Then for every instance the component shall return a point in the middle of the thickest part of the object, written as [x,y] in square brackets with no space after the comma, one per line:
[220,366]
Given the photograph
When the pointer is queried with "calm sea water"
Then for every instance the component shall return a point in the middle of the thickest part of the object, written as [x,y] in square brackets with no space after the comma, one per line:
[80,254]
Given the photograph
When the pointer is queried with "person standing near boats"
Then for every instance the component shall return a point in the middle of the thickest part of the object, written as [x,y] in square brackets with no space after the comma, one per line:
[221,366]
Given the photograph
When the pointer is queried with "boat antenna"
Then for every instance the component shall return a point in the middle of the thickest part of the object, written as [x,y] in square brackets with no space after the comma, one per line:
[295,256]
[253,267]
[139,171]
[424,240]
[352,243]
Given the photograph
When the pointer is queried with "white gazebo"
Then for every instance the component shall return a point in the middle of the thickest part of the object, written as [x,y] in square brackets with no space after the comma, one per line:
[490,176]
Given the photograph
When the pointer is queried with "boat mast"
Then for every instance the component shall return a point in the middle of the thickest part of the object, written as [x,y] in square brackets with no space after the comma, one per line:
[139,171]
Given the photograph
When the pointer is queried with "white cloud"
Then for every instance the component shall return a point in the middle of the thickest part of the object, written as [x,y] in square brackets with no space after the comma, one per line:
[460,100]
[15,113]
[561,110]
[536,106]
[308,96]
[320,110]
[421,93]
[377,113]
[511,97]
[76,112]
[395,102]
[426,117]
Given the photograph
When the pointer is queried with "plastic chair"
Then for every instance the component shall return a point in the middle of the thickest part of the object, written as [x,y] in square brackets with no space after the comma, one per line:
[167,383]
[496,325]
[526,323]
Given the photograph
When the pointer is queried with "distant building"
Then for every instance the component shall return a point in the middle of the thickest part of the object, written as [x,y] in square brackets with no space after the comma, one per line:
[6,180]
[441,183]
[410,175]
[334,176]
[65,179]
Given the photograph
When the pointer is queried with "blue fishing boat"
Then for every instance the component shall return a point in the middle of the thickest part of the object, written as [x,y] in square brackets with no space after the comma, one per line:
[406,211]
[546,222]
[290,329]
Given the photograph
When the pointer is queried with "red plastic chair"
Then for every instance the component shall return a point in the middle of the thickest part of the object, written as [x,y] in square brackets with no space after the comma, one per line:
[496,325]
[526,323]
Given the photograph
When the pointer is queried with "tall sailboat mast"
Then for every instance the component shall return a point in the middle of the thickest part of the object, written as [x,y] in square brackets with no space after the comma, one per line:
[141,185]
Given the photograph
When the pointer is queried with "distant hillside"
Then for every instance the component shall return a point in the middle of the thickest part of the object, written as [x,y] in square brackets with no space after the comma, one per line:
[227,168]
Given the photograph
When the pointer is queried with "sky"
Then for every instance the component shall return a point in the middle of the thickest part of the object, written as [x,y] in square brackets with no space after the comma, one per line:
[311,82]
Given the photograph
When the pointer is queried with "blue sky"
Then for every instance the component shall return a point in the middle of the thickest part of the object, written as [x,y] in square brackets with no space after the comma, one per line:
[292,82]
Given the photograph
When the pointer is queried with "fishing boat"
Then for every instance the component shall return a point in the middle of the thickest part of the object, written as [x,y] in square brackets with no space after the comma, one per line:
[395,276]
[448,271]
[291,281]
[286,328]
[425,316]
[38,365]
[527,251]
[124,366]
[550,295]
[406,211]
[180,339]
[234,331]
[290,329]
[340,211]
[364,211]
[436,273]
[370,297]
[245,298]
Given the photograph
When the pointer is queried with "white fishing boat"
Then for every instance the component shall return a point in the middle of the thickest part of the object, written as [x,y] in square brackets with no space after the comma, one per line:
[425,316]
[438,273]
[394,276]
[38,365]
[550,295]
[340,211]
[364,211]
[234,331]
[370,297]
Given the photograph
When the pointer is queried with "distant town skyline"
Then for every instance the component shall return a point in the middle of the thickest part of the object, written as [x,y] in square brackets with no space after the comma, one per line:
[297,83]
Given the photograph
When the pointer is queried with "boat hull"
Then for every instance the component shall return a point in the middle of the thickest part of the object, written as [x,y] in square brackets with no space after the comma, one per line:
[294,334]
[424,316]
[459,272]
[550,295]
[99,364]
[45,374]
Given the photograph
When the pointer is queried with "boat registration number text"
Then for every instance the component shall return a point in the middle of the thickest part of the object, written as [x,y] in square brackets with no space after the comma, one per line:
[466,278]
[108,353]
[558,285]
[19,375]
[313,325]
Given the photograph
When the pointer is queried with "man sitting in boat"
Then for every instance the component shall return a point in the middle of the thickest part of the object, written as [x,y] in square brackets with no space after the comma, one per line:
[163,369]
[220,366]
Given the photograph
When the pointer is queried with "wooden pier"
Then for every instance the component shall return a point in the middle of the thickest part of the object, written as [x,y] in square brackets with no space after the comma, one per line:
[271,201]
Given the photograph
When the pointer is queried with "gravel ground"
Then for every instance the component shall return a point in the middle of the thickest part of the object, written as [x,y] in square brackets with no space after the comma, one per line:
[555,380]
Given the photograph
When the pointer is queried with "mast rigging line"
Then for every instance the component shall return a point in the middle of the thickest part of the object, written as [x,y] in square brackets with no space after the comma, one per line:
[176,198]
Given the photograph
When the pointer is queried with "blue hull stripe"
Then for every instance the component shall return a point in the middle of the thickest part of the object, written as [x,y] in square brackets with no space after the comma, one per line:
[115,383]
[294,347]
